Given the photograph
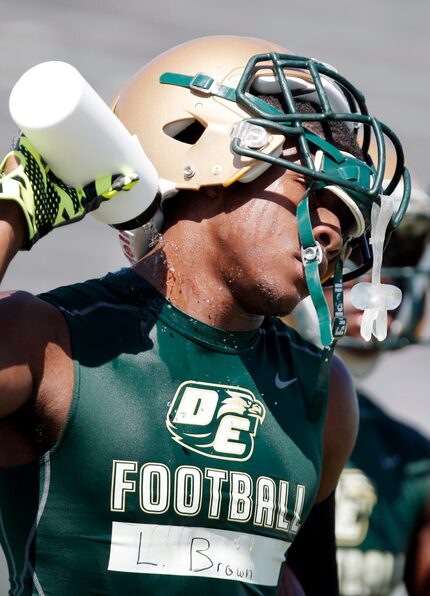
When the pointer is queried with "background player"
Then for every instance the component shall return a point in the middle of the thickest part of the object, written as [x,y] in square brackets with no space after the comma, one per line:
[383,499]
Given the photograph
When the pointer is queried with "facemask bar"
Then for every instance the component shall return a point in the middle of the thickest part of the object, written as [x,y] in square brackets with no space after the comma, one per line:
[291,123]
[351,176]
[353,181]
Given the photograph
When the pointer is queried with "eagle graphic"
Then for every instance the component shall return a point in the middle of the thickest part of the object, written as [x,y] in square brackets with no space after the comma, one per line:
[218,421]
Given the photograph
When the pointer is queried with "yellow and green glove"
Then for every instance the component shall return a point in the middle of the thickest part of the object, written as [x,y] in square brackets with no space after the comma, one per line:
[45,200]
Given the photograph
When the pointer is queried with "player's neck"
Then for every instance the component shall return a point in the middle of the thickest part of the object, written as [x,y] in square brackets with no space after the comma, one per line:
[187,274]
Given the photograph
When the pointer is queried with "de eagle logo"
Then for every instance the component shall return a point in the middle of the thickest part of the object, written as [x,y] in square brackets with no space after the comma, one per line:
[218,421]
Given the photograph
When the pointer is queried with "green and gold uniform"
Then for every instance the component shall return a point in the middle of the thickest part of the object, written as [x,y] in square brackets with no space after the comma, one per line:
[188,462]
[380,498]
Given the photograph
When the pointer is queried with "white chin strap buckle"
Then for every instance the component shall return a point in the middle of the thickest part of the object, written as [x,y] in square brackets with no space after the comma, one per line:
[375,298]
[312,253]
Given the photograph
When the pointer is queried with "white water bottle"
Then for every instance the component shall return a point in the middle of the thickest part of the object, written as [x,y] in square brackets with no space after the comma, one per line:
[81,138]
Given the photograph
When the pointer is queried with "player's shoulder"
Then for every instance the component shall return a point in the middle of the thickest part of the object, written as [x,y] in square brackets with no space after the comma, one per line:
[342,395]
[29,325]
[24,310]
[82,294]
[120,290]
[107,316]
[341,425]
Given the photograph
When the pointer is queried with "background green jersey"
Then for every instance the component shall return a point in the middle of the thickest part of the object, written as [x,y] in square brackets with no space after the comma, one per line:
[188,463]
[380,498]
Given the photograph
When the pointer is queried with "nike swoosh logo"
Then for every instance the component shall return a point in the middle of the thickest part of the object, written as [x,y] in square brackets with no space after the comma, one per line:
[282,384]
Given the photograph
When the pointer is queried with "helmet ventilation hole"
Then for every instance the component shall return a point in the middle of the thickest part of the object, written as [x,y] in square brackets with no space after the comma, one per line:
[186,131]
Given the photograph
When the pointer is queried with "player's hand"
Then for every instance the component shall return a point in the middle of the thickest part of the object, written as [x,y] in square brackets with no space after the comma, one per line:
[45,200]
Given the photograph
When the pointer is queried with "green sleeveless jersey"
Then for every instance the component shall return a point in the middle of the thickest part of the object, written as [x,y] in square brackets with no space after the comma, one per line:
[379,500]
[188,462]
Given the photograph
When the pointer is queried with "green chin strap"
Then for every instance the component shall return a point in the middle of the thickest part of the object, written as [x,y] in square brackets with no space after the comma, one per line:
[330,331]
[311,258]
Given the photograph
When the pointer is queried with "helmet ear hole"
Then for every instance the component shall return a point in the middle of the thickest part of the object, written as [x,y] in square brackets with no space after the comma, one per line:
[188,130]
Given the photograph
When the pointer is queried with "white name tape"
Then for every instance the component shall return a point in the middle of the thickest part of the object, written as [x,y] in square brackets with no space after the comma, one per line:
[205,552]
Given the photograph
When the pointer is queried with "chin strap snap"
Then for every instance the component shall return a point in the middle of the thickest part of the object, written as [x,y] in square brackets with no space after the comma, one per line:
[311,258]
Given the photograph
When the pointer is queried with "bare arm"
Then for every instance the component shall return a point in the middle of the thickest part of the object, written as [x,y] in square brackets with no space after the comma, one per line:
[32,332]
[312,555]
[34,351]
[35,356]
[16,382]
[341,427]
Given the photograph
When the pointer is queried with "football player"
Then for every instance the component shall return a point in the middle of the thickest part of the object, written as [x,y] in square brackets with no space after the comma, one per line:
[162,430]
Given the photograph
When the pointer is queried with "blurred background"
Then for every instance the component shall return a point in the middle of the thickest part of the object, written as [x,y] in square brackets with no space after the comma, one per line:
[382,46]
